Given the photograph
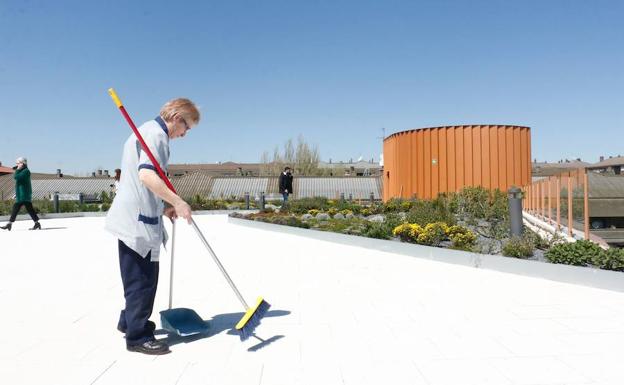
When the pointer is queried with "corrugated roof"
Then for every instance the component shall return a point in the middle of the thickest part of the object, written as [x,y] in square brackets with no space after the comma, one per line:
[6,170]
[224,187]
[358,165]
[615,161]
[43,188]
[605,186]
[43,185]
[192,184]
[214,187]
[568,164]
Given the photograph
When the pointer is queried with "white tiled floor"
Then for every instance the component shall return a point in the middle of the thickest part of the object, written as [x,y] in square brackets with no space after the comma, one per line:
[347,315]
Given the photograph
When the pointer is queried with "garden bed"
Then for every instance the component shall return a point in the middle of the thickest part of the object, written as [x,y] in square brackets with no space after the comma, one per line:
[474,220]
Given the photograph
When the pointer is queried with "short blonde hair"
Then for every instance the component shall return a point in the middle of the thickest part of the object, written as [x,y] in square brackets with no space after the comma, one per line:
[180,107]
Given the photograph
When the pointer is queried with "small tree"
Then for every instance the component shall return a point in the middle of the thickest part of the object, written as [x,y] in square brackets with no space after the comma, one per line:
[304,159]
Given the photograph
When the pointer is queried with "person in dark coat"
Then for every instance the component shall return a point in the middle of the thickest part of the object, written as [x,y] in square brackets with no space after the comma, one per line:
[285,183]
[23,194]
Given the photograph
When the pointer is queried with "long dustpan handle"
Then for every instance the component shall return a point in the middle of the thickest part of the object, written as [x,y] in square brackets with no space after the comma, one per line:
[160,172]
[173,231]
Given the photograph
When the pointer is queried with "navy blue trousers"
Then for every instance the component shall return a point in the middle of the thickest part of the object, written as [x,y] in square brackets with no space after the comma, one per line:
[140,279]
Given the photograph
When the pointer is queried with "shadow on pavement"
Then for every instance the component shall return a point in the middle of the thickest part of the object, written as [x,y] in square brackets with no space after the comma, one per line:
[220,323]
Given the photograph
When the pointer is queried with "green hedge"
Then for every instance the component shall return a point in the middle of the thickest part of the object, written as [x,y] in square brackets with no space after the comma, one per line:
[586,253]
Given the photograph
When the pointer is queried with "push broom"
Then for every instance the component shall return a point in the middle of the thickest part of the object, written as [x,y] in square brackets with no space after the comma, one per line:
[253,315]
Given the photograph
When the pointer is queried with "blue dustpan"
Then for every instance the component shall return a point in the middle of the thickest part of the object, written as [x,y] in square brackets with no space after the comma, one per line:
[182,321]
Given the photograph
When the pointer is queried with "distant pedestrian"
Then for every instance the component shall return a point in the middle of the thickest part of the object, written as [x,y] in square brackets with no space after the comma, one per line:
[117,177]
[23,194]
[285,183]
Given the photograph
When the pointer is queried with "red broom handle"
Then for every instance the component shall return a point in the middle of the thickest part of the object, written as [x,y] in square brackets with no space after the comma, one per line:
[160,171]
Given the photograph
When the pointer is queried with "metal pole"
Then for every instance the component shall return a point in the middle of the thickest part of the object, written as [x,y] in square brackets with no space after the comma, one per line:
[515,211]
[173,232]
[247,200]
[262,200]
[570,204]
[543,199]
[558,202]
[214,256]
[586,203]
[549,199]
[57,206]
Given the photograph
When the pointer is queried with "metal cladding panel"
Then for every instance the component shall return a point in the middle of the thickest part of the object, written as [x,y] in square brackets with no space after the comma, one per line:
[45,188]
[238,186]
[358,187]
[428,161]
[197,183]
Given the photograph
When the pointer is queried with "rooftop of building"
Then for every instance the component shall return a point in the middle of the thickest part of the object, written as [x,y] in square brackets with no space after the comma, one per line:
[340,314]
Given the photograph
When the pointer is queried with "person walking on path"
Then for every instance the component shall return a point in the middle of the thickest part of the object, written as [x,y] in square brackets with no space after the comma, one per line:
[115,185]
[285,183]
[135,219]
[23,194]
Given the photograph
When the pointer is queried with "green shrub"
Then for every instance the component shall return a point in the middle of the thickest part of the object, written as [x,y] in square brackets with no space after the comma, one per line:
[519,247]
[43,206]
[432,234]
[461,238]
[377,230]
[407,232]
[353,207]
[579,253]
[610,259]
[89,207]
[425,212]
[473,203]
[393,220]
[313,212]
[198,202]
[392,205]
[105,197]
[303,205]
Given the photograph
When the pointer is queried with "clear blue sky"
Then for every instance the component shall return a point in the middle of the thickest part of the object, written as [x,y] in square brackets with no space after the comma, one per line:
[334,71]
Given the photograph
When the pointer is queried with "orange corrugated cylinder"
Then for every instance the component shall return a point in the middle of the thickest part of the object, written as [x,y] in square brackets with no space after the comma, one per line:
[427,161]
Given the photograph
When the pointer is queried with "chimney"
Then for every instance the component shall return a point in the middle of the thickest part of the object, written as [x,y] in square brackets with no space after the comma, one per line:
[93,174]
[58,173]
[106,174]
[601,158]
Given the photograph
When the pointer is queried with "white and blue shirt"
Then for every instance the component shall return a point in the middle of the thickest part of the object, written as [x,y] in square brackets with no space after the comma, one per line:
[136,215]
